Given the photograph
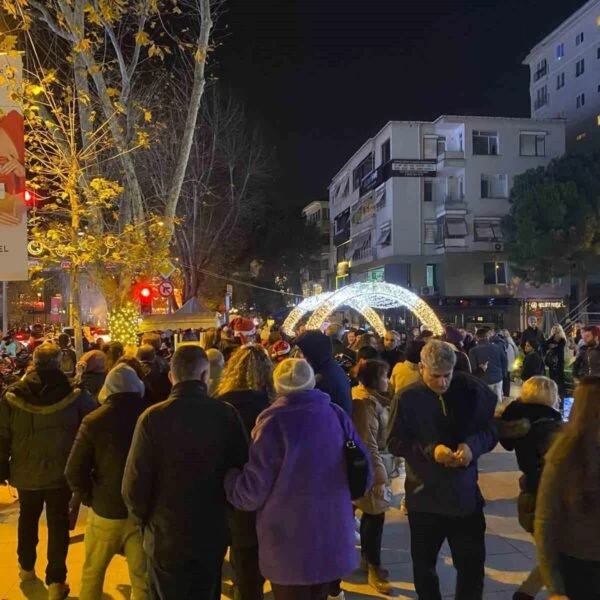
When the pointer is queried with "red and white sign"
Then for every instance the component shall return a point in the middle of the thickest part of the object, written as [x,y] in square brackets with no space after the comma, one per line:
[165,288]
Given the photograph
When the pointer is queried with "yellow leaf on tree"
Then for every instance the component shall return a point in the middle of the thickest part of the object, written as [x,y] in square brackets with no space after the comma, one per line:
[112,92]
[200,54]
[83,45]
[142,38]
[147,116]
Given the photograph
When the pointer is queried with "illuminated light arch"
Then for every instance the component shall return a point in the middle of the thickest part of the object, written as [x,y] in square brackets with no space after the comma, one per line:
[365,298]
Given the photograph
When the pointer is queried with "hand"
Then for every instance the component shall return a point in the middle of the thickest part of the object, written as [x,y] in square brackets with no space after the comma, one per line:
[379,490]
[464,455]
[443,455]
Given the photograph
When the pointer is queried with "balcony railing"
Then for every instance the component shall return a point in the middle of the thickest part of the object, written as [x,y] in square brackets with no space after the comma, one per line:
[451,155]
[363,255]
[542,101]
[540,73]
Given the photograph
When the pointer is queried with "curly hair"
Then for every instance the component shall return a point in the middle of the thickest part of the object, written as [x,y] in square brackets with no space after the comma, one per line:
[249,368]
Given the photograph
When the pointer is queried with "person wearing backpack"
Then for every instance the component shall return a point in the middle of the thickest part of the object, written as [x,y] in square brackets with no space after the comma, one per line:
[68,358]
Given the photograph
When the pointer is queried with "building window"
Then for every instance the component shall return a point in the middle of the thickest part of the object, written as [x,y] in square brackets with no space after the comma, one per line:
[363,169]
[385,235]
[598,52]
[430,231]
[428,191]
[386,151]
[485,143]
[487,230]
[579,39]
[541,70]
[598,120]
[580,100]
[542,97]
[579,67]
[430,276]
[560,52]
[380,197]
[560,81]
[456,227]
[532,144]
[494,186]
[494,273]
[430,147]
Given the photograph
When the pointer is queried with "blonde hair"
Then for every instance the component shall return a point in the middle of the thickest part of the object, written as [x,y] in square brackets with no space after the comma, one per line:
[539,390]
[558,327]
[249,368]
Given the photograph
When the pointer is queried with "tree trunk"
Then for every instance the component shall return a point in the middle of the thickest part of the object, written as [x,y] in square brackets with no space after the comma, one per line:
[75,310]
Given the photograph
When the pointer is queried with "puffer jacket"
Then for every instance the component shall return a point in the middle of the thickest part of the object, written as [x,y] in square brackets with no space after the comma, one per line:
[587,362]
[39,418]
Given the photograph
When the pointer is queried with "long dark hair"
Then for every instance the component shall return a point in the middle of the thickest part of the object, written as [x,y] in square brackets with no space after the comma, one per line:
[577,448]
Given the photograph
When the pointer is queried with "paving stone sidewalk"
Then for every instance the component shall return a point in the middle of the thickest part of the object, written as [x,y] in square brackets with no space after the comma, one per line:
[510,551]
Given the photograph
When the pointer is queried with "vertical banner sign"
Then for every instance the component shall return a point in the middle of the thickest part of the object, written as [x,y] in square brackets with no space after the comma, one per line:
[13,211]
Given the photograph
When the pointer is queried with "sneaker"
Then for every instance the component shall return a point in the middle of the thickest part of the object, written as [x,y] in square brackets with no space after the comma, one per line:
[364,567]
[379,580]
[26,575]
[340,596]
[522,596]
[58,591]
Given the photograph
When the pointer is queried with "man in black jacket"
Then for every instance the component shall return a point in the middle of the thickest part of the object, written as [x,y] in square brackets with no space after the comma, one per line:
[156,378]
[39,418]
[173,482]
[95,472]
[588,360]
[443,424]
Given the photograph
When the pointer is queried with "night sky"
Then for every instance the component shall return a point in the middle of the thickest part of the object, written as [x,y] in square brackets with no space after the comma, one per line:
[321,76]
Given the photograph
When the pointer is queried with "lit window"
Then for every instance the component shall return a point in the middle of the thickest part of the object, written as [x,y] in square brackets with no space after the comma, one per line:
[560,52]
[598,21]
[598,120]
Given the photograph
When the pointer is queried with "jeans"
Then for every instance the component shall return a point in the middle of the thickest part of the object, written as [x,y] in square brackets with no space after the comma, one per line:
[371,535]
[197,578]
[103,539]
[581,577]
[497,389]
[247,577]
[317,591]
[57,515]
[466,537]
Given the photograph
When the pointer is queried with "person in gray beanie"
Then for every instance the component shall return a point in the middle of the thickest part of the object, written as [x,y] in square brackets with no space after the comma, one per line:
[95,471]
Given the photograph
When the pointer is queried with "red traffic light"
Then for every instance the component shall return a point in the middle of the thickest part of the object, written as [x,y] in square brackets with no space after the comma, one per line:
[29,197]
[145,292]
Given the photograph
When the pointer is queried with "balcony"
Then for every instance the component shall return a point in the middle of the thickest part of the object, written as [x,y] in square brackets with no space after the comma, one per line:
[451,204]
[363,255]
[458,244]
[542,72]
[451,159]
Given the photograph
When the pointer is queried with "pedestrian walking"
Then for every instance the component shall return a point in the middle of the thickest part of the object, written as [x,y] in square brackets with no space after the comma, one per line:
[392,354]
[173,481]
[330,377]
[554,357]
[91,372]
[489,363]
[300,490]
[567,516]
[533,363]
[247,384]
[528,427]
[370,414]
[443,425]
[94,472]
[532,332]
[407,372]
[588,359]
[39,418]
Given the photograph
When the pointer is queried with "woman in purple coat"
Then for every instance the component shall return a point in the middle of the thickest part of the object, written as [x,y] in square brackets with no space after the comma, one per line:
[296,481]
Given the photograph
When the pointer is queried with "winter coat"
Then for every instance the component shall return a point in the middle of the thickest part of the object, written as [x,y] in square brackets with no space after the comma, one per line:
[371,419]
[532,365]
[95,467]
[528,429]
[39,418]
[511,354]
[392,357]
[249,404]
[173,479]
[561,528]
[495,357]
[156,381]
[297,482]
[532,334]
[587,362]
[92,383]
[464,414]
[403,375]
[330,377]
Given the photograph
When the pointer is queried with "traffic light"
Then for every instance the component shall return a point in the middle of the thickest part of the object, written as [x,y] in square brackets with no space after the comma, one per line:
[145,294]
[29,197]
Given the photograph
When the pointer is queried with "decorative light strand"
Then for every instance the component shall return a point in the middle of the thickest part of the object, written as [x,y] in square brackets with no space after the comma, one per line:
[123,324]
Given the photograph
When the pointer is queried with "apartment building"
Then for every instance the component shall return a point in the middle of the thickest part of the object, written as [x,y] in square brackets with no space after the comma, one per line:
[420,205]
[314,280]
[565,77]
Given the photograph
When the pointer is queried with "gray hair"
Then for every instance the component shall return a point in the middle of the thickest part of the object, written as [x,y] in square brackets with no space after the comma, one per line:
[46,356]
[438,356]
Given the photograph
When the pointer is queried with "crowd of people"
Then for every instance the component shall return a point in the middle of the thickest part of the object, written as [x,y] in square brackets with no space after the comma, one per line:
[240,442]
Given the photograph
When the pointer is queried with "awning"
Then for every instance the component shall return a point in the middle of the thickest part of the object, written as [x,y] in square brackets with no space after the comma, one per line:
[361,242]
[385,234]
[456,227]
[380,198]
[487,230]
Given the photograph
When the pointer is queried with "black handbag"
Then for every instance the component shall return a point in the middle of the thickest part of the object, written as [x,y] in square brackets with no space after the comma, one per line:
[357,463]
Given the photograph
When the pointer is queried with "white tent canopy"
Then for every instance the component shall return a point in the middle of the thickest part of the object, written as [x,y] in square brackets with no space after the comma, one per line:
[192,315]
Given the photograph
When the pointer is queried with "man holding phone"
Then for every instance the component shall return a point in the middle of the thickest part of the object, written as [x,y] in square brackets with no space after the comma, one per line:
[443,424]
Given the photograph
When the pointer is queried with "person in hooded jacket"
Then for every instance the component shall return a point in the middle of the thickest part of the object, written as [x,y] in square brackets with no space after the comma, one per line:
[39,418]
[154,340]
[528,427]
[94,472]
[329,376]
[247,384]
[156,381]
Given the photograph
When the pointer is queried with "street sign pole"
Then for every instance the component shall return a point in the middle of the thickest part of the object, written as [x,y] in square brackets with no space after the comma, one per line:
[5,307]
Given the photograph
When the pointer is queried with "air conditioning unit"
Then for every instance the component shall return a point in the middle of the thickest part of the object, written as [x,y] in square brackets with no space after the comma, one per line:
[498,246]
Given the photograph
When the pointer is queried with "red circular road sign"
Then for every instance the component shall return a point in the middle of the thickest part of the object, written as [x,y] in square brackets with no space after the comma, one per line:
[165,288]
